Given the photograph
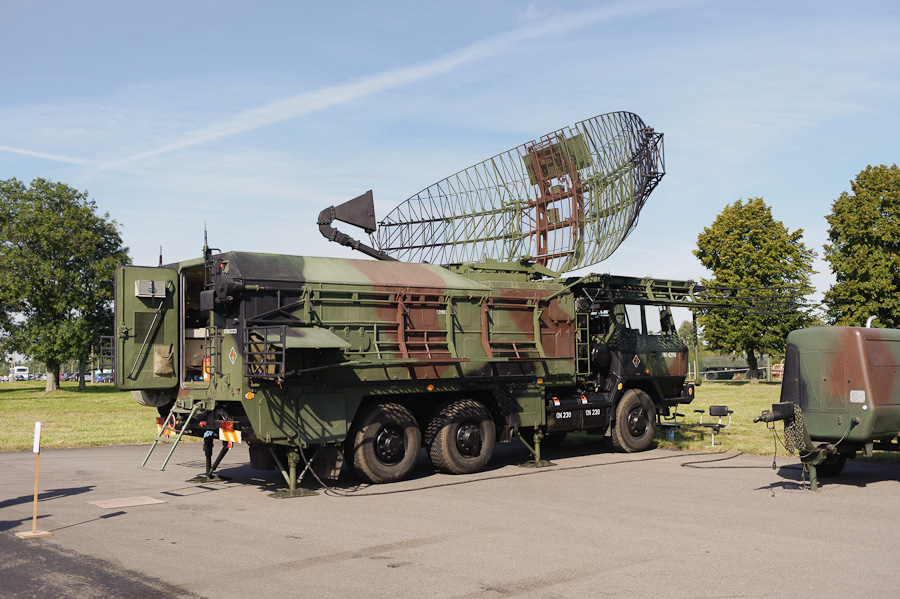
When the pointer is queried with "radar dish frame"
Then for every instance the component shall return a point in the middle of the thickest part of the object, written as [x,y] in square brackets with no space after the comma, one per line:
[566,200]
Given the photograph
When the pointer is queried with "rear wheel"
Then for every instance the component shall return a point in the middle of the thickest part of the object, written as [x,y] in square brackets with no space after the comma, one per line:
[635,422]
[384,447]
[462,437]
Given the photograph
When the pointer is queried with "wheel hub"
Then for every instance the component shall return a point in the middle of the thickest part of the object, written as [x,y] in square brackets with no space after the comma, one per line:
[389,445]
[637,422]
[468,440]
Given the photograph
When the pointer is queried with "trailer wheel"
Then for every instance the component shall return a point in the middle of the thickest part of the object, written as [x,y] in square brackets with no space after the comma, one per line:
[464,437]
[832,465]
[384,447]
[635,422]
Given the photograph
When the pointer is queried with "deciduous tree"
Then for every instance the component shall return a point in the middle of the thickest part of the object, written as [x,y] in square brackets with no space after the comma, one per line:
[746,249]
[686,333]
[57,259]
[864,250]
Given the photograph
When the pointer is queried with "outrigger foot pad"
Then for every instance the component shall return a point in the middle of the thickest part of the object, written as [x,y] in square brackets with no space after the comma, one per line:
[286,493]
[208,479]
[537,464]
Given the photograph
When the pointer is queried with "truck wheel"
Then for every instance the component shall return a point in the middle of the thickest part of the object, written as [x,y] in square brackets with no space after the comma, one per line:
[464,437]
[384,447]
[832,465]
[635,422]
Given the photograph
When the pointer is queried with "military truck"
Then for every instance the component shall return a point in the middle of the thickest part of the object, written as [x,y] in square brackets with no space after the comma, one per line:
[464,332]
[370,361]
[840,395]
[373,360]
[726,368]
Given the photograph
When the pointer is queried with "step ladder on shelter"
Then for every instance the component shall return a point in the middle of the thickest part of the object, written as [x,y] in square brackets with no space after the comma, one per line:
[166,430]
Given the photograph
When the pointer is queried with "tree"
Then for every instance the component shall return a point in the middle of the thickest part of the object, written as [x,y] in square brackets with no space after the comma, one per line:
[746,248]
[864,250]
[686,334]
[57,259]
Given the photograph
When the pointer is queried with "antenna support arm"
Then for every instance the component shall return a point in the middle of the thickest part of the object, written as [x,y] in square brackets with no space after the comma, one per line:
[359,211]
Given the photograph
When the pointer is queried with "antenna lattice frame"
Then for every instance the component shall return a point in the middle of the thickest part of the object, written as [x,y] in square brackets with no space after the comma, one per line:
[567,200]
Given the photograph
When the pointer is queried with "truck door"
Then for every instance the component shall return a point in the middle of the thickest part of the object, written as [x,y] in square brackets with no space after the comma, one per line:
[146,336]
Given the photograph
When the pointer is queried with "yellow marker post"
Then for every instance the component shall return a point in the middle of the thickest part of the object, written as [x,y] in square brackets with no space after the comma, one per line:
[35,533]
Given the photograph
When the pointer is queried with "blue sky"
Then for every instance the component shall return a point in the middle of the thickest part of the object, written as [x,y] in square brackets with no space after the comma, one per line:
[251,117]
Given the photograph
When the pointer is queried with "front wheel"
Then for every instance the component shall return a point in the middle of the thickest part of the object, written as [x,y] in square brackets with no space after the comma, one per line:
[384,447]
[635,422]
[463,437]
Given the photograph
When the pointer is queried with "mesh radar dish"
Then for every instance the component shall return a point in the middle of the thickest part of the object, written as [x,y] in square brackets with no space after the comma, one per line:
[566,201]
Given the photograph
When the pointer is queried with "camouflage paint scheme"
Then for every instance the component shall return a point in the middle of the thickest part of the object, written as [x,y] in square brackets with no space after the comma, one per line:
[836,374]
[840,395]
[300,349]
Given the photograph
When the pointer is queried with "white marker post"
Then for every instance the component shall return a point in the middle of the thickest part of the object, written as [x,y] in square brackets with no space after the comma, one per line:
[35,533]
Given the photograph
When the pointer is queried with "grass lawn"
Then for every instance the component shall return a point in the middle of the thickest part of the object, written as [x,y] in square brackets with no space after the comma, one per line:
[746,400]
[101,415]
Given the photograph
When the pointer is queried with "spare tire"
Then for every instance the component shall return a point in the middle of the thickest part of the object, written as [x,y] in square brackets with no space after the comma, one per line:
[155,398]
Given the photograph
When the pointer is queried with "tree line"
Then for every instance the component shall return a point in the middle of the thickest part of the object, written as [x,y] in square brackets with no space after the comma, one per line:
[745,247]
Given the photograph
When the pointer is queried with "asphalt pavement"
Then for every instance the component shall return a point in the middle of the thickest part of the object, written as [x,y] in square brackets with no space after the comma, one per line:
[597,524]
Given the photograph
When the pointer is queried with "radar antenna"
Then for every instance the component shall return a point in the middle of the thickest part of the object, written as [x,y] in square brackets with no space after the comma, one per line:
[566,201]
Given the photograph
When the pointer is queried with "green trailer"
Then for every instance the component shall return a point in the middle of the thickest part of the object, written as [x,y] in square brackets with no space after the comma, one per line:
[840,395]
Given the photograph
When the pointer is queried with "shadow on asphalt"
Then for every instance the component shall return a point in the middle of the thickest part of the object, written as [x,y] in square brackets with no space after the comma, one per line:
[46,495]
[505,454]
[856,474]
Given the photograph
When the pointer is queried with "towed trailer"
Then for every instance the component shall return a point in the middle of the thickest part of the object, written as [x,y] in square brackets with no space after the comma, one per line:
[840,396]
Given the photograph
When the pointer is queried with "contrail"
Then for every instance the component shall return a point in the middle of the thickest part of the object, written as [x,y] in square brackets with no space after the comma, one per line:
[46,156]
[328,97]
[548,31]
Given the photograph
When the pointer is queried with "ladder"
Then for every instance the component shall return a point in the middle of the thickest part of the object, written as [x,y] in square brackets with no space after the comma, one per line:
[107,355]
[166,431]
[582,344]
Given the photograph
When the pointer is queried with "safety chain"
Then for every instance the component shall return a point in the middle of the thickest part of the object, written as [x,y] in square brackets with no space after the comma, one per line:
[794,439]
